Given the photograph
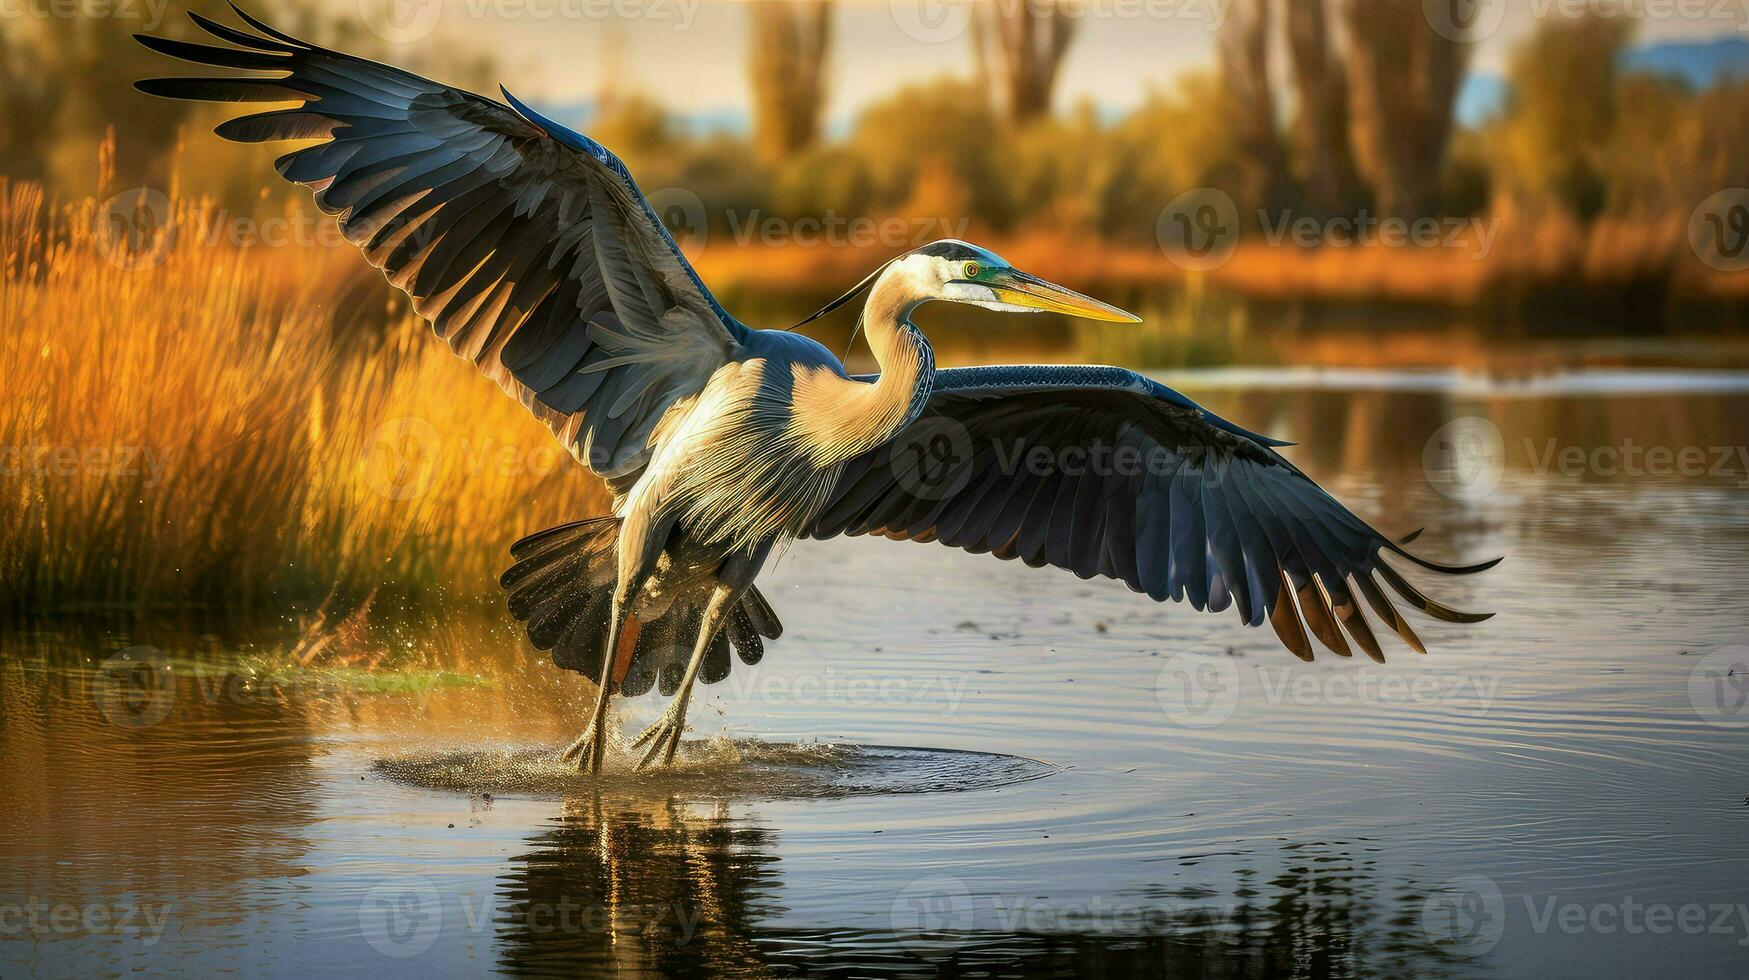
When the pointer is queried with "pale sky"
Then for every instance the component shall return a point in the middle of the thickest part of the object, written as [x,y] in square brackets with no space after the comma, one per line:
[691,54]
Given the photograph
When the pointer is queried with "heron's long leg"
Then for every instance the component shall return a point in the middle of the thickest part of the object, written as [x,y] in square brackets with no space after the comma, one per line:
[588,749]
[664,735]
[637,551]
[734,578]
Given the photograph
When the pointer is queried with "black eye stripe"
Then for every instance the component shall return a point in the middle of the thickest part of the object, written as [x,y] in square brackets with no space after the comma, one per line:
[953,251]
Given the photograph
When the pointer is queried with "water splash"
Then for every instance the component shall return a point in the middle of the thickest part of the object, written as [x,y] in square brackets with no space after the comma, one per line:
[724,768]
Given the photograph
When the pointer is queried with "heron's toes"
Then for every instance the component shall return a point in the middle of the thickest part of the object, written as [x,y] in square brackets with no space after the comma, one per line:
[664,740]
[651,732]
[586,752]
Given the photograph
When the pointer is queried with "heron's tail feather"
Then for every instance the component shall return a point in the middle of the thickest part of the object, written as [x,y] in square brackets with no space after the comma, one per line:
[561,588]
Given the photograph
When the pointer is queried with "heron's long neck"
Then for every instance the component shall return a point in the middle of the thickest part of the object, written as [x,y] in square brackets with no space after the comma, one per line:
[845,418]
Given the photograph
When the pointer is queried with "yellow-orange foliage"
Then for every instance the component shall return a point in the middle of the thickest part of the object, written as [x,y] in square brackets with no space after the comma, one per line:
[190,421]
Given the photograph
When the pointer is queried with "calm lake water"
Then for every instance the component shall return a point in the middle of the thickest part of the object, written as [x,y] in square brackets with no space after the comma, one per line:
[1090,782]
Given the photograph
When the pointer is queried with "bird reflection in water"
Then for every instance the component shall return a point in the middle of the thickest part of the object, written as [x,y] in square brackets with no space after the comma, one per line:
[642,887]
[666,888]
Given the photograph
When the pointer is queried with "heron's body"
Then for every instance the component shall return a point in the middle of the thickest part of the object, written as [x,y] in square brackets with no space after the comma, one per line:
[531,251]
[754,458]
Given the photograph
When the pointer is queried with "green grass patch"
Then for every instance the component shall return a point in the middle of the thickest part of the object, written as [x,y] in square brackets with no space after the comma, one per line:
[265,672]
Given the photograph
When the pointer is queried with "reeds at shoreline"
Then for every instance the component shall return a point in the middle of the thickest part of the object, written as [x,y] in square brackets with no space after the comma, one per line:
[184,424]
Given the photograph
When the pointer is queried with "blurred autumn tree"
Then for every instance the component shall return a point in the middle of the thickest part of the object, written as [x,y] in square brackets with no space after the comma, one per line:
[1551,145]
[1180,137]
[1373,104]
[28,96]
[1672,147]
[65,82]
[788,47]
[1022,42]
[945,131]
[1052,180]
[637,127]
[1324,163]
[1260,162]
[1403,79]
[1584,135]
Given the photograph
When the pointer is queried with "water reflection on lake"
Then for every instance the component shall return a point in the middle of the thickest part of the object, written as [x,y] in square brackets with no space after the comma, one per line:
[1558,790]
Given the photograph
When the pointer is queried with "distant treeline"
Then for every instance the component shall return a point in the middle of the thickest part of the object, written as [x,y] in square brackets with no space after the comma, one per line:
[1588,177]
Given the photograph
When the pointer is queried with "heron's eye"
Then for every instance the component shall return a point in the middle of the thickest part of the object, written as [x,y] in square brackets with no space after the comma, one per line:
[971,270]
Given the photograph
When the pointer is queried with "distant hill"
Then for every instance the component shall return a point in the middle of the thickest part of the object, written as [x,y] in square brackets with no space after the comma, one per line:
[579,113]
[1699,63]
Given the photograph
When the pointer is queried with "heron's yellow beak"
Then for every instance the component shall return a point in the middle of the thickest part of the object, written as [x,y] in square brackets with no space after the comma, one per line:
[1019,289]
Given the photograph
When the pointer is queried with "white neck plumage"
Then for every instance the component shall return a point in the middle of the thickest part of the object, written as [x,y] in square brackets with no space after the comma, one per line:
[844,418]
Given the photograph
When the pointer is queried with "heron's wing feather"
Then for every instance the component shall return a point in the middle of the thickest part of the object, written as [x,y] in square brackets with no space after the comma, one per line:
[1104,472]
[527,246]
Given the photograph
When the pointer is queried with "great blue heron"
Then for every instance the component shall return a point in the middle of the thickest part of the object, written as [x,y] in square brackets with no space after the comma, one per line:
[532,252]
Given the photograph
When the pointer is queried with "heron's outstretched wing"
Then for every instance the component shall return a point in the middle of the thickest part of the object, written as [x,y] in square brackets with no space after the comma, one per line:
[1104,472]
[527,246]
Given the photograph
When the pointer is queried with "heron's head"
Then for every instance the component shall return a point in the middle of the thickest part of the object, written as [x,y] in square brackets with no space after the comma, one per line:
[960,272]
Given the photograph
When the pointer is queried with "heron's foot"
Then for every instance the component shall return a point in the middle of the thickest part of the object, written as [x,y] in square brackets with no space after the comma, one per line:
[587,751]
[663,738]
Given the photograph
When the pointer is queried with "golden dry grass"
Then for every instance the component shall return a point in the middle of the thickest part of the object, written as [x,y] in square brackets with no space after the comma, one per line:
[188,421]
